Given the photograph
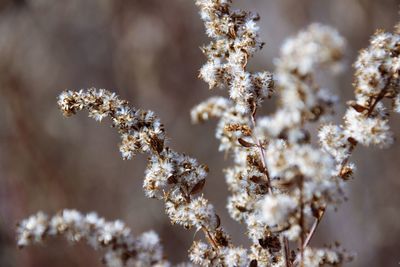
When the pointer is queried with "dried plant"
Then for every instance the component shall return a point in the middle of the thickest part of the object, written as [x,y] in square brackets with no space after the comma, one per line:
[281,183]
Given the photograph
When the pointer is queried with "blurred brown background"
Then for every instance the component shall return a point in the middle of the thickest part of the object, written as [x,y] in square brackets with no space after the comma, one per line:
[148,52]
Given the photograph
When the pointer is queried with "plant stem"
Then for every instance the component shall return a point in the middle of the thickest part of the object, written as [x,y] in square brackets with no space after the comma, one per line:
[301,223]
[262,154]
[313,229]
[286,251]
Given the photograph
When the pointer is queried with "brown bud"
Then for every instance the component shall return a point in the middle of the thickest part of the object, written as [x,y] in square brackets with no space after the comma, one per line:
[256,179]
[218,221]
[346,172]
[352,141]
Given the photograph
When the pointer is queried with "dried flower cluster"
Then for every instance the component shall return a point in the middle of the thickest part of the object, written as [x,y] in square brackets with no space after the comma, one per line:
[377,78]
[175,178]
[235,40]
[280,183]
[121,247]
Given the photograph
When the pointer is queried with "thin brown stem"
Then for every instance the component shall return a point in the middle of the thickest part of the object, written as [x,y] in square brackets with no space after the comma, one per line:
[311,233]
[210,238]
[378,98]
[313,229]
[301,222]
[286,251]
[261,153]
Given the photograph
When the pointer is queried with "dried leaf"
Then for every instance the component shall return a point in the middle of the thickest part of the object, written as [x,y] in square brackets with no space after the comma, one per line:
[271,243]
[346,172]
[253,263]
[198,187]
[172,179]
[156,144]
[245,143]
[357,107]
[218,221]
[241,208]
[256,179]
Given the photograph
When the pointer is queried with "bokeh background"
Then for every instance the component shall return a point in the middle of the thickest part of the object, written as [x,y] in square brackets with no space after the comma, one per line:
[148,52]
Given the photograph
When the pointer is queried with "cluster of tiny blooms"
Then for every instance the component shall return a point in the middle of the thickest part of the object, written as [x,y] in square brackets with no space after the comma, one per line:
[235,39]
[280,183]
[366,120]
[121,247]
[175,178]
[301,100]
